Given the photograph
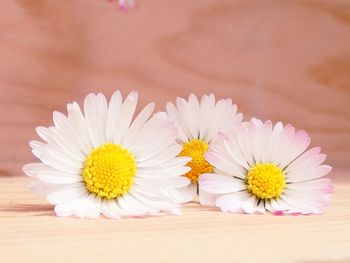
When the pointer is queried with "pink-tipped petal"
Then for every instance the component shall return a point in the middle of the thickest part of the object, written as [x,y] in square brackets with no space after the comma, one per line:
[309,174]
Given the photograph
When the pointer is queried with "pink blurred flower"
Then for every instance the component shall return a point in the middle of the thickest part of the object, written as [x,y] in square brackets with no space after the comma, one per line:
[125,5]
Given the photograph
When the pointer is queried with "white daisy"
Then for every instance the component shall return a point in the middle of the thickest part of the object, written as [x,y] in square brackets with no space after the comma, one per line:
[199,124]
[260,167]
[104,162]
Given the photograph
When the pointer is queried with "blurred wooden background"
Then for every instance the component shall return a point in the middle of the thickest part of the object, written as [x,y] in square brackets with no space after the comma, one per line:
[283,60]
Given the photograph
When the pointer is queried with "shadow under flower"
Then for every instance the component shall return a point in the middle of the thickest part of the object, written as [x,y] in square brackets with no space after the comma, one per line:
[38,209]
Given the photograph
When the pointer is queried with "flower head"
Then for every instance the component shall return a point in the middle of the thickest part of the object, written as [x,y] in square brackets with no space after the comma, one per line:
[104,162]
[199,123]
[260,167]
[125,5]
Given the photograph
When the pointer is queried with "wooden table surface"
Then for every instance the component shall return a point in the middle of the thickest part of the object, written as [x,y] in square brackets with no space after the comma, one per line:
[280,60]
[30,232]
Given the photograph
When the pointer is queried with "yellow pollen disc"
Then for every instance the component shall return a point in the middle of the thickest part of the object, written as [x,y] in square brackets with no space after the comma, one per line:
[109,171]
[266,181]
[196,149]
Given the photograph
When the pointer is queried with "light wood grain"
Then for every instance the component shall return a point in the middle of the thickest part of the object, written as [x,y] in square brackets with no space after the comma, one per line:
[279,60]
[29,232]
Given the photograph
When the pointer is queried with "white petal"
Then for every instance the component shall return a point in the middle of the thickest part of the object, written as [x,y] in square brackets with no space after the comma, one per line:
[185,194]
[189,113]
[147,136]
[303,159]
[311,163]
[93,209]
[300,143]
[107,211]
[323,185]
[53,161]
[138,123]
[155,202]
[67,193]
[154,138]
[249,206]
[93,120]
[220,184]
[230,120]
[282,143]
[43,189]
[206,198]
[305,203]
[126,113]
[158,143]
[309,174]
[171,164]
[163,156]
[274,144]
[278,206]
[57,179]
[78,124]
[115,209]
[175,182]
[184,133]
[65,137]
[43,133]
[216,119]
[103,115]
[150,191]
[207,105]
[232,202]
[113,114]
[160,172]
[50,175]
[290,209]
[133,206]
[84,207]
[237,146]
[255,140]
[67,208]
[221,162]
[73,106]
[265,140]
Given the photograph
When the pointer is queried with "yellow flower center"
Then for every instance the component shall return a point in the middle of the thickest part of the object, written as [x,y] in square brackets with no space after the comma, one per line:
[109,171]
[266,181]
[196,149]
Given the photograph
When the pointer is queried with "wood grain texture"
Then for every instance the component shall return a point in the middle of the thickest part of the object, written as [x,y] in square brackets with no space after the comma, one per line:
[30,232]
[279,60]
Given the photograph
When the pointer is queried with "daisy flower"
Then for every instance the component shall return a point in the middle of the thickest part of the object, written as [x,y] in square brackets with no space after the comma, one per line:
[125,5]
[104,162]
[260,167]
[199,124]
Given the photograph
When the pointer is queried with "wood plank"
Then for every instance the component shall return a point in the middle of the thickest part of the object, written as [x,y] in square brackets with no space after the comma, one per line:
[30,231]
[286,61]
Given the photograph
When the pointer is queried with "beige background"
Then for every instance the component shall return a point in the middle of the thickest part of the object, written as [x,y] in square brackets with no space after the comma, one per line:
[282,60]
